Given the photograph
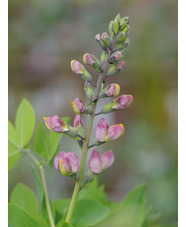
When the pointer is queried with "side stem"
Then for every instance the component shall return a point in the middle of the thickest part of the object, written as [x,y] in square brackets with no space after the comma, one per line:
[43,181]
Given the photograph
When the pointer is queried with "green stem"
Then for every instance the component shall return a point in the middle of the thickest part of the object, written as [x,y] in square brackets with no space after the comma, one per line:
[43,181]
[84,152]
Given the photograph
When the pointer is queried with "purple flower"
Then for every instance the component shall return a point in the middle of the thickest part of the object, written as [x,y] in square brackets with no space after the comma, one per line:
[55,124]
[104,133]
[122,102]
[104,36]
[78,106]
[115,56]
[98,163]
[66,163]
[78,121]
[97,38]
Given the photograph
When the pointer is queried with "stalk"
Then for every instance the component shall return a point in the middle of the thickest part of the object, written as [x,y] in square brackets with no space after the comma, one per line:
[85,147]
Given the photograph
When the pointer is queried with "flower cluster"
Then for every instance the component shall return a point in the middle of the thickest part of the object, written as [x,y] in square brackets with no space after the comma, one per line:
[111,62]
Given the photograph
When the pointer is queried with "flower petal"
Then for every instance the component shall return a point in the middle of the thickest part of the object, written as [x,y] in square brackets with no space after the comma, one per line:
[55,124]
[101,130]
[107,158]
[95,162]
[115,131]
[65,167]
[73,160]
[59,156]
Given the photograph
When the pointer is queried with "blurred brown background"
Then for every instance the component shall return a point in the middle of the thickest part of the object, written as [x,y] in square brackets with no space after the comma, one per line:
[44,36]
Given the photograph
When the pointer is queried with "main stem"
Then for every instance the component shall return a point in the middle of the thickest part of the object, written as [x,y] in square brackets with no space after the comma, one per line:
[84,152]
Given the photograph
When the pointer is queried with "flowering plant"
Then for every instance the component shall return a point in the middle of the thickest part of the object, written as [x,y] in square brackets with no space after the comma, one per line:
[89,205]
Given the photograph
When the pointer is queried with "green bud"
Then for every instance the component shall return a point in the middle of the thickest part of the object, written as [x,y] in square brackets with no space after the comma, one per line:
[89,91]
[118,18]
[116,27]
[111,28]
[103,57]
[72,132]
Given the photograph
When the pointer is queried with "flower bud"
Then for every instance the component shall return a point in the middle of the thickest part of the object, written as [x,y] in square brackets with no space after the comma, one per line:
[55,124]
[98,38]
[99,163]
[114,132]
[121,38]
[111,31]
[103,57]
[80,70]
[66,163]
[112,90]
[78,106]
[122,102]
[105,40]
[104,133]
[116,68]
[115,57]
[115,27]
[118,104]
[92,61]
[89,91]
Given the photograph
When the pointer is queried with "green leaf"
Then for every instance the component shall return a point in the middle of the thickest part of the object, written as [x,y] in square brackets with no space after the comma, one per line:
[65,224]
[14,151]
[66,119]
[18,217]
[129,213]
[164,225]
[38,183]
[24,122]
[25,198]
[41,143]
[93,191]
[61,205]
[54,140]
[88,213]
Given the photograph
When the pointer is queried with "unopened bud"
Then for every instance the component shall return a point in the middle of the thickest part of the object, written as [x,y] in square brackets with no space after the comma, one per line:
[80,70]
[89,91]
[115,57]
[122,102]
[112,90]
[92,61]
[116,68]
[78,106]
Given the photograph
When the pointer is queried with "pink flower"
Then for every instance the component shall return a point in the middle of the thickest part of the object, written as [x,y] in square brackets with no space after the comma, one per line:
[99,163]
[120,65]
[78,106]
[55,124]
[122,102]
[104,133]
[66,163]
[78,121]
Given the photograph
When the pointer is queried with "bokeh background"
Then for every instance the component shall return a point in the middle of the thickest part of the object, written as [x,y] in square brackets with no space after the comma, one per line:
[44,36]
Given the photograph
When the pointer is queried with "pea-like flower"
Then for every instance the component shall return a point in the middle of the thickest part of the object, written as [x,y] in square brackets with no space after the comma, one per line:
[112,90]
[55,124]
[79,107]
[115,57]
[104,133]
[98,163]
[119,103]
[78,121]
[66,163]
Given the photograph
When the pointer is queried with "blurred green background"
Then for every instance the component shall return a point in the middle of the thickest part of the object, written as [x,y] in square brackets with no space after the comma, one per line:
[44,36]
